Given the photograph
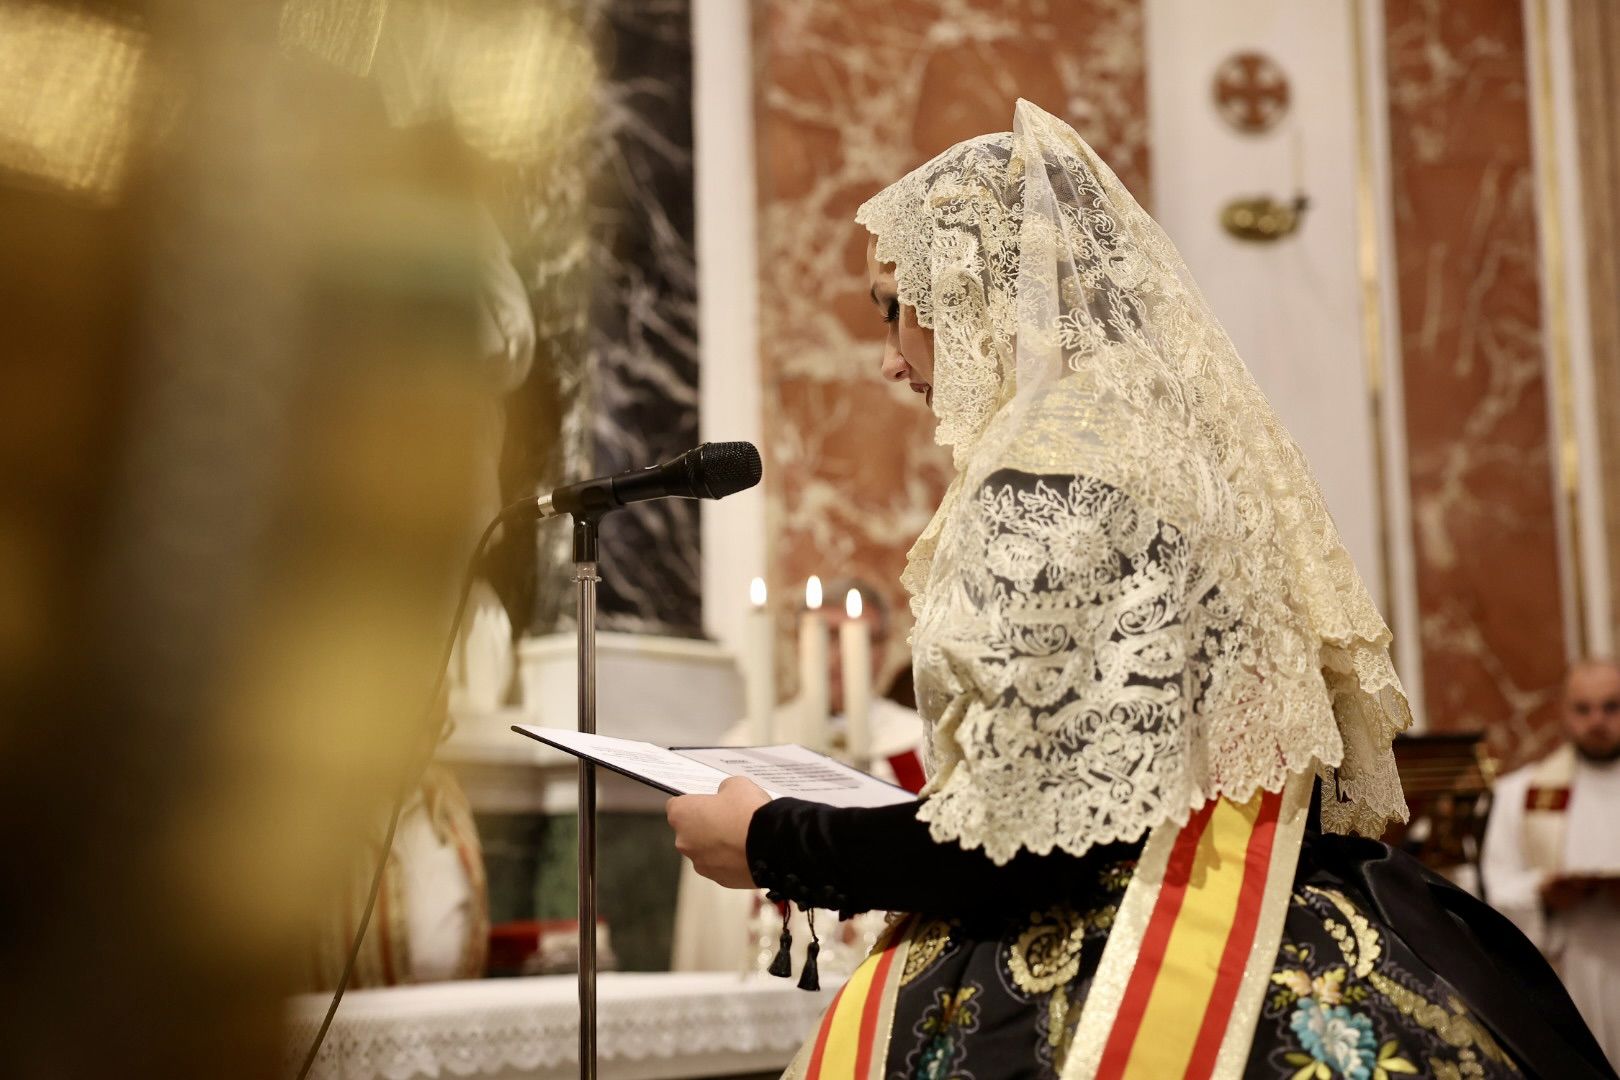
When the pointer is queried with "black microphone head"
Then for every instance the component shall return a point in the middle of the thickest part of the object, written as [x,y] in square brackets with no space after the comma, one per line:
[725,468]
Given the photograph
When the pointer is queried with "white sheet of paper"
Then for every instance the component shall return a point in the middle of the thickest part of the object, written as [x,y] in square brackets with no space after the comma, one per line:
[781,770]
[642,759]
[801,773]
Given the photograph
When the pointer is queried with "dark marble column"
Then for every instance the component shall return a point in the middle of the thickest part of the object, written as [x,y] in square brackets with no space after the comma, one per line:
[644,312]
[606,232]
[614,281]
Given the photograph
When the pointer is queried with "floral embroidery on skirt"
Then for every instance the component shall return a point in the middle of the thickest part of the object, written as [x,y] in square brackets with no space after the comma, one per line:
[1348,998]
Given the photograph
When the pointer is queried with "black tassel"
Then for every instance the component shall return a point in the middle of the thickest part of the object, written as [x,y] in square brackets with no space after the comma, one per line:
[782,966]
[810,977]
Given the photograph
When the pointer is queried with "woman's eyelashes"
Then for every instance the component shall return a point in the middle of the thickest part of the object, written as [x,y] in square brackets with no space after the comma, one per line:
[891,313]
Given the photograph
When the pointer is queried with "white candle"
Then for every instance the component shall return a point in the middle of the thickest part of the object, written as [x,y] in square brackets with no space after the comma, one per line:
[855,651]
[760,671]
[812,714]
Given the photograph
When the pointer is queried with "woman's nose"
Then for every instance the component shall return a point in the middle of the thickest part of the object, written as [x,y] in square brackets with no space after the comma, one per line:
[895,368]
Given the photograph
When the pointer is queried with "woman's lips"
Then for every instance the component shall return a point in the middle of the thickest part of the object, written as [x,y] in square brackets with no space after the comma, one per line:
[925,390]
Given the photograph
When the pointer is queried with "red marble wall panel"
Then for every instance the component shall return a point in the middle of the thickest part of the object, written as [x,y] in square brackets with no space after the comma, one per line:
[1481,480]
[851,95]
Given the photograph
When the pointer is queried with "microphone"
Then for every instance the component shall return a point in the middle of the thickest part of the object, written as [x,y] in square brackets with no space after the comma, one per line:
[709,471]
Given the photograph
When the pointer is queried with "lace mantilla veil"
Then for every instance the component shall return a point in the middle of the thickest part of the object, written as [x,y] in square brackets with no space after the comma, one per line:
[1132,598]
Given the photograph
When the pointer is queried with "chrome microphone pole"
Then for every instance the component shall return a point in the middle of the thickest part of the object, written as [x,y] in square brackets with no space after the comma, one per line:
[585,580]
[709,471]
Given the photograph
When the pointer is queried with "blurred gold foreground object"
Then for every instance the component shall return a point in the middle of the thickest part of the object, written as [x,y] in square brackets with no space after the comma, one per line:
[240,397]
[72,87]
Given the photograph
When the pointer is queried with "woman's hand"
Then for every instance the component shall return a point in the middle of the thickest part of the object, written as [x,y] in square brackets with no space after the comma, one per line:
[712,830]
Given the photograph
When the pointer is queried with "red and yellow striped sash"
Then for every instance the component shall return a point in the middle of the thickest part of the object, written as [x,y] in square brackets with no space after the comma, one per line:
[1182,978]
[852,1042]
[1191,951]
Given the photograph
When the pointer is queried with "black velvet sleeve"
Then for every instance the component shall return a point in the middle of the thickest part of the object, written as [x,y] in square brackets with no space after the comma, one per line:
[853,860]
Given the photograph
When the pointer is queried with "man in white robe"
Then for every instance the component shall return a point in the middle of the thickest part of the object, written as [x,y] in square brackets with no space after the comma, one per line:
[1552,849]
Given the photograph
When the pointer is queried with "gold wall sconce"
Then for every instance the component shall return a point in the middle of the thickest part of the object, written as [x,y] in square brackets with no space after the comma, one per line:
[1263,220]
[1251,93]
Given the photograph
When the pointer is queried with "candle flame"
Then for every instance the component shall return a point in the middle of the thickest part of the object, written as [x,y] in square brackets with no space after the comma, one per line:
[852,603]
[756,592]
[812,593]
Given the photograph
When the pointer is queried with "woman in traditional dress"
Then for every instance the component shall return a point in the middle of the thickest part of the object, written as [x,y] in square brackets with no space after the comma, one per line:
[1158,694]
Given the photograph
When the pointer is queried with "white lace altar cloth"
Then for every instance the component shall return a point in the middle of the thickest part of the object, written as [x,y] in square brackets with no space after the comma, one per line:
[648,1026]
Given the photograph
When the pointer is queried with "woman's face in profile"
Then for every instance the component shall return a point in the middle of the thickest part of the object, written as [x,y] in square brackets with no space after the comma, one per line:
[908,349]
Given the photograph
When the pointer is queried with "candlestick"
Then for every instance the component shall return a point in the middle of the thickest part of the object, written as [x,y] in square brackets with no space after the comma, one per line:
[855,650]
[759,656]
[812,714]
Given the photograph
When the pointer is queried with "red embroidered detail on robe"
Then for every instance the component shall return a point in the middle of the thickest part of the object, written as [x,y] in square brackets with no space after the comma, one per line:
[1555,799]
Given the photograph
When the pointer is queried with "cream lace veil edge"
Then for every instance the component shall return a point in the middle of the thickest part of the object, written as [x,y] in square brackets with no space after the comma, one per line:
[1132,598]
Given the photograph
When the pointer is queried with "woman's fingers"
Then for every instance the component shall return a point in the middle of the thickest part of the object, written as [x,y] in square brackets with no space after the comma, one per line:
[712,830]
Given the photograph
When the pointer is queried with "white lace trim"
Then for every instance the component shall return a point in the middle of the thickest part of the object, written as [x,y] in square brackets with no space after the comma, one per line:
[501,1025]
[1133,598]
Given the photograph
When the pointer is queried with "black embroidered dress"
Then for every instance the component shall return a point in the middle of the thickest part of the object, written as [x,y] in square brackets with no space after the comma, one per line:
[997,974]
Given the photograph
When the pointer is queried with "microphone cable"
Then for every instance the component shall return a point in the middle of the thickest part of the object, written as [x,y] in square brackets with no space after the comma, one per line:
[523,508]
[736,466]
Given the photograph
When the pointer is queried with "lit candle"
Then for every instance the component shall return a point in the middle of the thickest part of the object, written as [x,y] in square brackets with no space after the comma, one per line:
[855,651]
[760,672]
[813,669]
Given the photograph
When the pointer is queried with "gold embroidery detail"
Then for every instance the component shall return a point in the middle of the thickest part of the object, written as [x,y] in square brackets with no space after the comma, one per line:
[1466,1067]
[1455,1026]
[1046,955]
[1363,955]
[927,943]
[951,1007]
[1328,987]
[1045,960]
[1057,1025]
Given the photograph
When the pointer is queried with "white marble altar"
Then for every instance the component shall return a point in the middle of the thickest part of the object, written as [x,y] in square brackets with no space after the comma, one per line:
[651,1026]
[672,691]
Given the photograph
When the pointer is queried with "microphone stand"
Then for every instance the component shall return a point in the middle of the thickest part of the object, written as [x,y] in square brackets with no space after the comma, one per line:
[712,471]
[585,580]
